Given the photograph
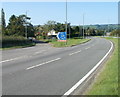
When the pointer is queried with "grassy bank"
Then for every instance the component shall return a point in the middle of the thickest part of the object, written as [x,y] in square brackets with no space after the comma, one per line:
[70,42]
[9,42]
[107,82]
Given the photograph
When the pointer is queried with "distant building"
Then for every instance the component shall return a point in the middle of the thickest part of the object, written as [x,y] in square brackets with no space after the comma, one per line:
[107,33]
[52,33]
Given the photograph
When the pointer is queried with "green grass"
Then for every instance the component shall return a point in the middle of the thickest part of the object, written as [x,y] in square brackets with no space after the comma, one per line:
[107,82]
[70,42]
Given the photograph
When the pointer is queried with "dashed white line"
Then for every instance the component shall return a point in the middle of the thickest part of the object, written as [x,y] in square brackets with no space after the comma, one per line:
[21,57]
[75,53]
[12,59]
[39,52]
[7,60]
[42,64]
[87,48]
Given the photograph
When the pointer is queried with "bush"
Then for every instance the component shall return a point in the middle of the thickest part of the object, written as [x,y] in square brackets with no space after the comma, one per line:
[11,41]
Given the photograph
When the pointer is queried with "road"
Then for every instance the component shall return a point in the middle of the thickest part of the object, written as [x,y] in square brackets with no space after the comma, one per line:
[46,70]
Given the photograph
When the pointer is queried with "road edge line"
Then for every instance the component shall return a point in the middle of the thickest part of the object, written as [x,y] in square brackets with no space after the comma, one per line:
[88,74]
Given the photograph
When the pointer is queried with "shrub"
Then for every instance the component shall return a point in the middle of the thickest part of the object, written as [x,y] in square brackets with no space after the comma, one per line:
[10,41]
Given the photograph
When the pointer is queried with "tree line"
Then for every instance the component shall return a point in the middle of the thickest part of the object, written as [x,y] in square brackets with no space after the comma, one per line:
[72,31]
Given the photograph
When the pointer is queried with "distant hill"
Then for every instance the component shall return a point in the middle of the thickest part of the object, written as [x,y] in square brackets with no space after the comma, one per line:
[103,27]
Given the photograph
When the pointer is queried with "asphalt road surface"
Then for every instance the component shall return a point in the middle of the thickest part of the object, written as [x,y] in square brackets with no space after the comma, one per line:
[46,70]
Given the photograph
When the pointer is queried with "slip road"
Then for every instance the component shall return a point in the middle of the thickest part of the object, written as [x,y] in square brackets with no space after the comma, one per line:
[45,70]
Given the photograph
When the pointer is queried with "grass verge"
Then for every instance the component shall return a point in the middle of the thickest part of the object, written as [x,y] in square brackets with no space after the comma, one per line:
[70,42]
[106,82]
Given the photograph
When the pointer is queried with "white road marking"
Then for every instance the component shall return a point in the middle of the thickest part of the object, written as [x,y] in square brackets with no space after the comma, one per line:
[21,57]
[42,64]
[12,59]
[88,74]
[7,60]
[75,53]
[87,48]
[39,52]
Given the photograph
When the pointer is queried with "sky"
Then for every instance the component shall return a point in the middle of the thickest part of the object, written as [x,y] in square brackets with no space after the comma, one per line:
[41,12]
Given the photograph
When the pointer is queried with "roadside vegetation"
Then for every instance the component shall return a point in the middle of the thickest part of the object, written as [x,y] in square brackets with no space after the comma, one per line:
[69,42]
[15,42]
[115,33]
[15,34]
[106,82]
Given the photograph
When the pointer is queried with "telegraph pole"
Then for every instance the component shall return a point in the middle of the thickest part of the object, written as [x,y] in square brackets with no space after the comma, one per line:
[79,32]
[108,25]
[83,25]
[69,30]
[1,25]
[66,21]
[26,26]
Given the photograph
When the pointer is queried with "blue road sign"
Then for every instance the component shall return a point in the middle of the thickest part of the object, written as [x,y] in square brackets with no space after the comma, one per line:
[62,35]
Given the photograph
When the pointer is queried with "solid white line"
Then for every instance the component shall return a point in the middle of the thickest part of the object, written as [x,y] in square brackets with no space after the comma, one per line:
[88,74]
[75,53]
[42,64]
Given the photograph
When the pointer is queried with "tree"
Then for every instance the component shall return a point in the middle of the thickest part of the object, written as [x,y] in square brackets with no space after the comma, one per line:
[3,24]
[51,25]
[39,31]
[18,26]
[91,32]
[115,32]
[59,27]
[75,31]
[12,26]
[30,30]
[99,32]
